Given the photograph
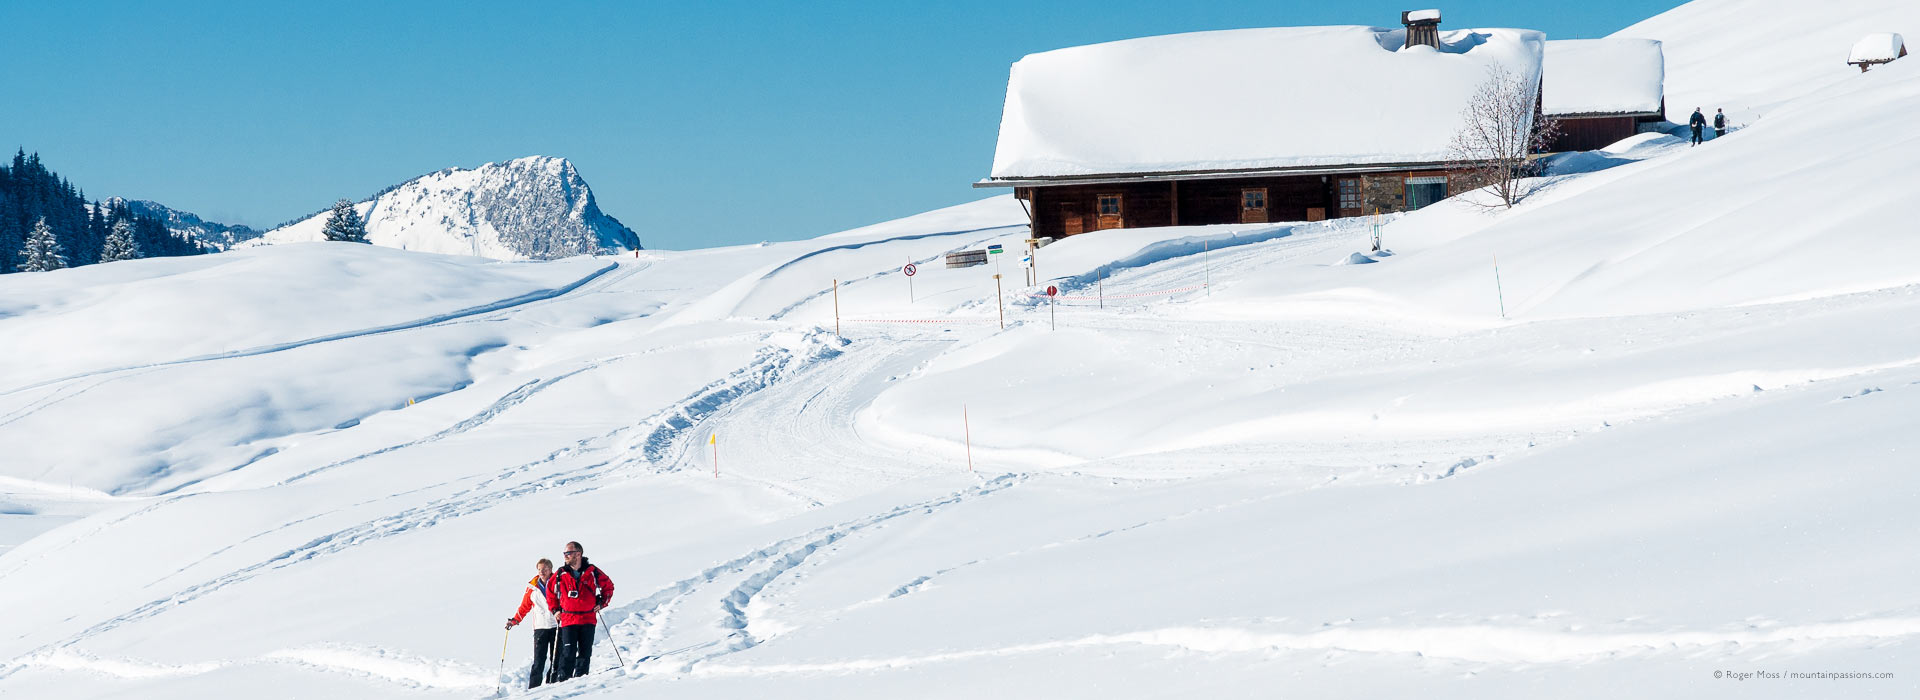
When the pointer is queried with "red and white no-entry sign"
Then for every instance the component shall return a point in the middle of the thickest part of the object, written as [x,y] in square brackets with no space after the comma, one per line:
[909,269]
[1052,290]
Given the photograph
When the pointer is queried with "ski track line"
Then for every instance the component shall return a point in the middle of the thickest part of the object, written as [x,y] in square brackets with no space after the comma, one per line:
[921,582]
[1171,258]
[652,613]
[57,397]
[787,555]
[97,529]
[366,663]
[1489,644]
[503,304]
[511,399]
[788,431]
[466,502]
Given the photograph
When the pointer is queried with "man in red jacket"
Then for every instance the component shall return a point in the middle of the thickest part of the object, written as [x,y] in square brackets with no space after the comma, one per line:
[576,594]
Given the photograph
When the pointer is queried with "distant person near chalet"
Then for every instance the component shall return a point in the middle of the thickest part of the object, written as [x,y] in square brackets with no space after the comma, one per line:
[1698,121]
[577,593]
[1719,122]
[545,624]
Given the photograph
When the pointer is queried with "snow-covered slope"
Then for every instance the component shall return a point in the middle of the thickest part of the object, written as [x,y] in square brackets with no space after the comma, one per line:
[1750,56]
[533,208]
[1223,463]
[1745,221]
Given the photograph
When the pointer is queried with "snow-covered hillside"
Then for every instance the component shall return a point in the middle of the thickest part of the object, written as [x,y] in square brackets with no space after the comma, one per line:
[533,208]
[1665,447]
[1750,56]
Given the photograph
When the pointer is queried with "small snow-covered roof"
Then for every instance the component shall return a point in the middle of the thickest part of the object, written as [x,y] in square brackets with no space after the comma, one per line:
[1247,99]
[1877,48]
[1603,76]
[1423,16]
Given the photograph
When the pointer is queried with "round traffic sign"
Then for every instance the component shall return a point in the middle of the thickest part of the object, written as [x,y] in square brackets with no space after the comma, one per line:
[909,269]
[1052,290]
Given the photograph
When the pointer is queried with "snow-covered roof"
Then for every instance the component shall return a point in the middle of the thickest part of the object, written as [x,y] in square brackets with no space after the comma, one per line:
[1247,99]
[1603,76]
[1423,16]
[1877,48]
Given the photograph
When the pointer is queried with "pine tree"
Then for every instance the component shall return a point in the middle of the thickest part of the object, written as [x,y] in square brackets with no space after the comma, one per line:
[120,244]
[344,224]
[42,252]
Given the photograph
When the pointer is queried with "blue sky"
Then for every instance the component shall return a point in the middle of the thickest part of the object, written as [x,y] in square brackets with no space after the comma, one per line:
[697,124]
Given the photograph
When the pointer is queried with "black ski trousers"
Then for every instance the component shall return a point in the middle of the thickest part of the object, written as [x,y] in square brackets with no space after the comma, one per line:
[576,649]
[542,650]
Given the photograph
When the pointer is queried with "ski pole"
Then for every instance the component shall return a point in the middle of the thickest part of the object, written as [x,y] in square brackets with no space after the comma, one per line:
[503,660]
[616,647]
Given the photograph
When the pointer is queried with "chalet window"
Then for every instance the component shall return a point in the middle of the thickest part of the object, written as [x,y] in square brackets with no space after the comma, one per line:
[1253,199]
[1422,191]
[1109,205]
[1350,193]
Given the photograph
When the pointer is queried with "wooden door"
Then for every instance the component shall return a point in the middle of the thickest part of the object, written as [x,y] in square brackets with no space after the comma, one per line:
[1070,221]
[1110,214]
[1350,201]
[1253,205]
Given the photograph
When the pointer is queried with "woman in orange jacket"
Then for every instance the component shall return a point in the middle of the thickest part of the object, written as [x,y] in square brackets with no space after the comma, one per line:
[534,601]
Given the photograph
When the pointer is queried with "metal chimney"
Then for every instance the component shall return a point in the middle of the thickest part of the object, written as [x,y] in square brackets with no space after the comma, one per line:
[1423,27]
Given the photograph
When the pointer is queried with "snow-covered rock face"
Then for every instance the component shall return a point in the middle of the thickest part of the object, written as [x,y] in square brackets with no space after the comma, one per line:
[534,208]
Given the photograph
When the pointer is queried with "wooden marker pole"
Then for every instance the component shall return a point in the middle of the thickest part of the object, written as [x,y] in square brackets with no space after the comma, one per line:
[1100,281]
[1502,294]
[715,442]
[999,303]
[836,308]
[967,426]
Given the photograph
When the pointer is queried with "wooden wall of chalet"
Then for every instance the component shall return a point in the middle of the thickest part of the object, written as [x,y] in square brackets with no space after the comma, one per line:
[1589,133]
[1064,210]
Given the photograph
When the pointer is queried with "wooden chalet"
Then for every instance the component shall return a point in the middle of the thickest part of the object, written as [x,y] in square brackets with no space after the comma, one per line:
[1245,126]
[1602,90]
[1876,49]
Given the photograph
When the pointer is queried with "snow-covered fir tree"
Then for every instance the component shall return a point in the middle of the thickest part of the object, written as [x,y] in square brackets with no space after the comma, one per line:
[42,250]
[120,244]
[344,224]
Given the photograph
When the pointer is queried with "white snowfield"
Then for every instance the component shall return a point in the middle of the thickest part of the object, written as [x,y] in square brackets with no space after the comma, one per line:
[1233,99]
[1751,56]
[1602,76]
[1239,466]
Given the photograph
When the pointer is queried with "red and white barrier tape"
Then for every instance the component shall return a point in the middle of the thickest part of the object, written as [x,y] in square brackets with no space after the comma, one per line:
[1162,292]
[918,320]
